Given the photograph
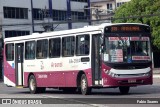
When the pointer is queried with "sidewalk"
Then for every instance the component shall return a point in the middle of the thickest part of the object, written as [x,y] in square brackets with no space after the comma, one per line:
[156,72]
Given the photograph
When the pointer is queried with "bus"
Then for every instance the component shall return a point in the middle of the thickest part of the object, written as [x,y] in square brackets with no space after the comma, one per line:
[109,55]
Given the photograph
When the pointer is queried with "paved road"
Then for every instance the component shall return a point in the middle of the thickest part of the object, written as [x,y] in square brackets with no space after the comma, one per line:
[62,99]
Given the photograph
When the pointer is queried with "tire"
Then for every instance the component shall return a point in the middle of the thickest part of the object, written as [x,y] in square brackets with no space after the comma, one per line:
[124,89]
[33,85]
[85,90]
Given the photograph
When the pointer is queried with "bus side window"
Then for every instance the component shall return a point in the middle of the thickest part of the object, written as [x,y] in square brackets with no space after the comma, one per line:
[68,45]
[30,50]
[54,47]
[82,44]
[42,48]
[9,52]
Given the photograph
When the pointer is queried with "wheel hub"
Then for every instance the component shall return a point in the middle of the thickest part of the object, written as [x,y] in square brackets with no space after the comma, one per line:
[84,84]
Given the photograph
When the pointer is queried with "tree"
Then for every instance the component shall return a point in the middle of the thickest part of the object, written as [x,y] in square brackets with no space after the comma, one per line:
[141,11]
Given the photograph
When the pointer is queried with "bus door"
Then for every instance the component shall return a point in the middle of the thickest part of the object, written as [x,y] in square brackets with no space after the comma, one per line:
[19,47]
[96,66]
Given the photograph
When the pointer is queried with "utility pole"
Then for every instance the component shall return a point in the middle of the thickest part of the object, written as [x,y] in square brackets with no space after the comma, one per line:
[47,19]
[1,28]
[1,50]
[69,14]
[32,16]
[51,13]
[89,12]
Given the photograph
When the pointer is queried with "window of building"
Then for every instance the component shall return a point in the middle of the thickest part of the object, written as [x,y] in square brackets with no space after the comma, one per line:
[62,15]
[9,52]
[15,12]
[14,33]
[59,15]
[42,49]
[54,47]
[109,7]
[82,44]
[78,15]
[30,50]
[80,0]
[120,3]
[68,44]
[38,14]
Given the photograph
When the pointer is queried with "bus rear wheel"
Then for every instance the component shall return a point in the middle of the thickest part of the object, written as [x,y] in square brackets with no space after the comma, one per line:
[33,86]
[85,90]
[124,89]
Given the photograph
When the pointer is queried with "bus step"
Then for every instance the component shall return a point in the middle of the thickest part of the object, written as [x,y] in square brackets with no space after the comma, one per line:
[19,86]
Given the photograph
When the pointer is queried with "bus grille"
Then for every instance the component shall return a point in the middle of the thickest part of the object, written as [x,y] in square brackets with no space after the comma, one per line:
[129,75]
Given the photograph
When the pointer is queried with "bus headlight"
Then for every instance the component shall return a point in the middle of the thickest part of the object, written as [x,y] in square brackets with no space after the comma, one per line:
[146,74]
[112,74]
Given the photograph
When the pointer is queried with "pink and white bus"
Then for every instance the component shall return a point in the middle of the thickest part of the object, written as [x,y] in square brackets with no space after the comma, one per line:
[101,56]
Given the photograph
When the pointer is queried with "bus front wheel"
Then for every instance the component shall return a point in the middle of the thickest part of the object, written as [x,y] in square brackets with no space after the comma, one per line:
[124,89]
[84,85]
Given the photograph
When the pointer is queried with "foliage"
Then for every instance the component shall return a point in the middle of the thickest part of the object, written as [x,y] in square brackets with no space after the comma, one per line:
[141,11]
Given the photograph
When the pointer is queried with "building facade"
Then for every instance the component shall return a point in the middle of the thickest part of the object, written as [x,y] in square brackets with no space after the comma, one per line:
[104,9]
[16,17]
[24,17]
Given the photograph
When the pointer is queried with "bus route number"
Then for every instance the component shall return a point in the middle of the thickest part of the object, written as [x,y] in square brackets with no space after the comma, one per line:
[74,60]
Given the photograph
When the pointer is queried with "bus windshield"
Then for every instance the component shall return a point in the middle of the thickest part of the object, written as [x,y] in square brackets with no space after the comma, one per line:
[127,49]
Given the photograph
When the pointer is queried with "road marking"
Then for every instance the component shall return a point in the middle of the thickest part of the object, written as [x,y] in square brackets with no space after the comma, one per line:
[48,96]
[73,100]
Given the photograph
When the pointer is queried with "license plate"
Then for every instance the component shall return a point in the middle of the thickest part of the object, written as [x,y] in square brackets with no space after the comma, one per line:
[132,81]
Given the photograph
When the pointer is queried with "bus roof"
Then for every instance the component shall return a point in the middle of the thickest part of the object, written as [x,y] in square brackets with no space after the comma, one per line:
[67,32]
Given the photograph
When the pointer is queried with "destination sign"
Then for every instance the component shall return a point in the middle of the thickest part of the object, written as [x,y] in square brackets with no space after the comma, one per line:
[126,28]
